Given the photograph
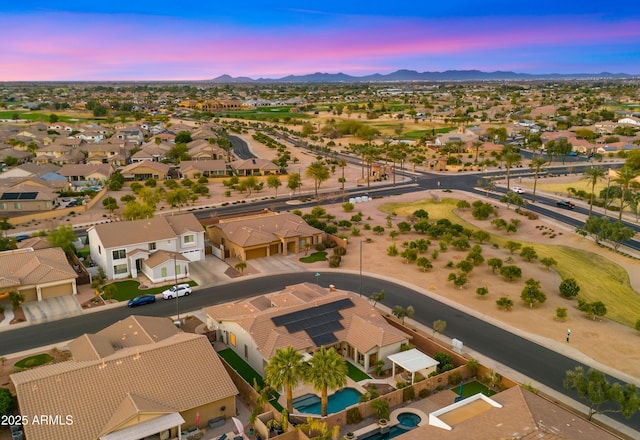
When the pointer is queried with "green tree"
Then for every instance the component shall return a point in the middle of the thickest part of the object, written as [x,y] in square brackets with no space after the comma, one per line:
[6,402]
[110,204]
[53,118]
[569,288]
[531,293]
[592,309]
[511,159]
[424,264]
[513,246]
[327,370]
[504,303]
[529,253]
[63,237]
[439,326]
[547,262]
[480,235]
[594,388]
[510,273]
[136,211]
[401,312]
[561,313]
[319,172]
[626,179]
[293,182]
[183,137]
[593,175]
[273,182]
[494,264]
[116,181]
[381,407]
[285,369]
[178,153]
[537,162]
[16,299]
[177,197]
[377,297]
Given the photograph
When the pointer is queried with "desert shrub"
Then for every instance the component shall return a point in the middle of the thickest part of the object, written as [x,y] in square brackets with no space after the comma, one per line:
[334,261]
[353,416]
[339,251]
[320,247]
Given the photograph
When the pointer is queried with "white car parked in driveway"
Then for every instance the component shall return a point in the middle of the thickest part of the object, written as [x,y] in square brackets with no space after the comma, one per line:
[176,291]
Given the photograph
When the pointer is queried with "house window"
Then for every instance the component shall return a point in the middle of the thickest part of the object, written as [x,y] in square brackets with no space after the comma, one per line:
[3,206]
[163,272]
[178,269]
[16,205]
[232,339]
[189,239]
[99,249]
[119,254]
[152,246]
[119,269]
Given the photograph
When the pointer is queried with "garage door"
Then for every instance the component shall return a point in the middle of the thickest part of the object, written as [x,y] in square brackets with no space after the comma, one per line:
[256,253]
[275,249]
[50,292]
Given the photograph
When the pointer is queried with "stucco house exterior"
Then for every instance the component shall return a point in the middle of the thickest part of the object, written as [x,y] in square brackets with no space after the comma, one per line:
[161,248]
[256,327]
[37,273]
[146,170]
[147,378]
[262,235]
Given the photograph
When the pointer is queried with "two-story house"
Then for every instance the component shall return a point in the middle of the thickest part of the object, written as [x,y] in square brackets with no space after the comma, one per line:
[161,248]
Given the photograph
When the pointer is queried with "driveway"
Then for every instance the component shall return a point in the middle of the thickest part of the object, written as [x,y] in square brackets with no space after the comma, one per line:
[209,272]
[51,309]
[274,264]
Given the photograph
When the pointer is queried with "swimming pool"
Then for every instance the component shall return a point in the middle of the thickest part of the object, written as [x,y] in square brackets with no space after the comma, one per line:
[310,403]
[409,420]
[378,434]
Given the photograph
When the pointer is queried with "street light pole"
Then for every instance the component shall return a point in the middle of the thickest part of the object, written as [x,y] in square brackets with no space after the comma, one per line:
[360,292]
[175,273]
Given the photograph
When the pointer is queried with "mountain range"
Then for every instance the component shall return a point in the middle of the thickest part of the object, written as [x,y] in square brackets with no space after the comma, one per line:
[412,75]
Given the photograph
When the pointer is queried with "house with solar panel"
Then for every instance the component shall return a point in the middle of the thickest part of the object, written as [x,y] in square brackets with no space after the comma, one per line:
[306,316]
[27,198]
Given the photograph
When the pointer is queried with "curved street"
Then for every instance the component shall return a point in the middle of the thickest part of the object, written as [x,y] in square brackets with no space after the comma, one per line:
[539,363]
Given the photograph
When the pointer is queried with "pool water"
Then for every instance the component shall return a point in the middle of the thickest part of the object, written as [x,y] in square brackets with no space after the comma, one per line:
[392,432]
[409,420]
[310,403]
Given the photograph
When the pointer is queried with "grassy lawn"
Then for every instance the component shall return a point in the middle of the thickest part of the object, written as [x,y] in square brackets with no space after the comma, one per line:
[416,134]
[599,278]
[563,187]
[130,289]
[244,369]
[34,361]
[473,388]
[316,256]
[355,373]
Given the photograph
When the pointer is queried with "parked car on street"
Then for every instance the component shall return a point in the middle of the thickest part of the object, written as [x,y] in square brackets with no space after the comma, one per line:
[141,300]
[176,291]
[566,204]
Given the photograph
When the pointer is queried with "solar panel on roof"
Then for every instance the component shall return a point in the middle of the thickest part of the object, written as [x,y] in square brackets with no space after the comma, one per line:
[19,196]
[319,322]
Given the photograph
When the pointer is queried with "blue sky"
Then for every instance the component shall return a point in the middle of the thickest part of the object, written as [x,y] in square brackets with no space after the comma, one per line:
[161,40]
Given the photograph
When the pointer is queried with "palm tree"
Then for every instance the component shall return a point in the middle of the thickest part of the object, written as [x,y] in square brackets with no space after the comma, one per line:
[537,163]
[625,179]
[593,175]
[285,369]
[327,370]
[342,163]
[511,159]
[319,172]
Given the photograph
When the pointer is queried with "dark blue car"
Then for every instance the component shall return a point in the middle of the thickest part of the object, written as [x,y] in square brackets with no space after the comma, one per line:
[141,300]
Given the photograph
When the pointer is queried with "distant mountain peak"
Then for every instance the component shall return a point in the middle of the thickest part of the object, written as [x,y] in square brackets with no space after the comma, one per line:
[408,75]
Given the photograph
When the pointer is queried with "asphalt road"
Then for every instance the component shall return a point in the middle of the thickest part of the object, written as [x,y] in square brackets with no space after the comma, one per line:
[535,361]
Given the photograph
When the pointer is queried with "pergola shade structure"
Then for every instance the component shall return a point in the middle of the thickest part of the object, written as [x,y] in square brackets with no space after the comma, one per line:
[413,361]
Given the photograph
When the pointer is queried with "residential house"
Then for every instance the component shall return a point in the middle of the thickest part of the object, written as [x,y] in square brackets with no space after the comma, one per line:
[26,198]
[254,167]
[130,135]
[82,175]
[207,168]
[305,316]
[58,153]
[630,120]
[38,274]
[513,413]
[146,170]
[202,149]
[129,249]
[462,135]
[152,152]
[114,154]
[262,235]
[147,378]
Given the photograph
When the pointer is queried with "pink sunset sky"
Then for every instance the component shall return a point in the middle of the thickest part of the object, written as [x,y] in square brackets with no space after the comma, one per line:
[80,44]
